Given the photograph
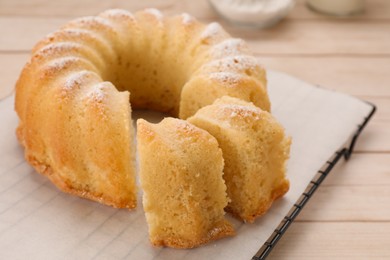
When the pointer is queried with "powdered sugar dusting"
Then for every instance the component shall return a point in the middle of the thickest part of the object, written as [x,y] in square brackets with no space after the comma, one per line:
[184,126]
[78,32]
[226,77]
[229,47]
[239,64]
[242,111]
[56,48]
[118,12]
[75,79]
[155,13]
[93,21]
[86,35]
[185,130]
[97,93]
[187,19]
[72,82]
[56,66]
[211,30]
[95,98]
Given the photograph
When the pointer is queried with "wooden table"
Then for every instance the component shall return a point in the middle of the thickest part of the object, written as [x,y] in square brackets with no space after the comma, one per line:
[349,216]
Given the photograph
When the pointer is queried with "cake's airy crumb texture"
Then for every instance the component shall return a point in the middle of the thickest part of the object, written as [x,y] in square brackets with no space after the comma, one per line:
[255,149]
[181,176]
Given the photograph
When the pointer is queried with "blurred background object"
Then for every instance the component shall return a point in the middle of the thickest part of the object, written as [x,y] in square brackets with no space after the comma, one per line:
[253,13]
[337,7]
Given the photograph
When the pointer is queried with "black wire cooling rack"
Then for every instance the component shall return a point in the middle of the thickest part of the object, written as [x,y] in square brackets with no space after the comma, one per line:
[345,152]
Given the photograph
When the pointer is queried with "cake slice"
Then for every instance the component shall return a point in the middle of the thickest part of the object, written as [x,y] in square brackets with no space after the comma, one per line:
[255,149]
[181,176]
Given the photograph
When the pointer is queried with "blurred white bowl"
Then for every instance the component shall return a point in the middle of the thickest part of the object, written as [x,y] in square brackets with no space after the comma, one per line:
[253,13]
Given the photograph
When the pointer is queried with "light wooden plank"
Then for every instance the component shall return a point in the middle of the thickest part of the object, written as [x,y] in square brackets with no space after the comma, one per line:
[10,66]
[349,203]
[342,241]
[361,76]
[375,9]
[74,8]
[316,36]
[290,37]
[362,169]
[21,34]
[376,138]
[383,106]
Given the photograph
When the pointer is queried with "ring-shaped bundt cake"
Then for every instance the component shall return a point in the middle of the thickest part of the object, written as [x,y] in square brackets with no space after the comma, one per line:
[72,97]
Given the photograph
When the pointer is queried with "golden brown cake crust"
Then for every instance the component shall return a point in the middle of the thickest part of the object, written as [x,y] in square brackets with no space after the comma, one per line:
[91,175]
[47,171]
[263,208]
[222,230]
